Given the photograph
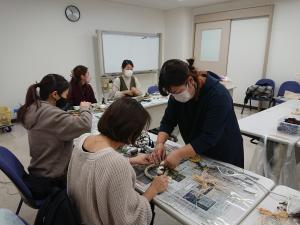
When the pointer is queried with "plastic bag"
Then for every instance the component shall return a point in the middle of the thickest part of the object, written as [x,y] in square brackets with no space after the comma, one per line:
[258,161]
[276,161]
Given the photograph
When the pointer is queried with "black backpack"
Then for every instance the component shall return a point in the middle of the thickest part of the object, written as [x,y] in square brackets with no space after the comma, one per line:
[58,210]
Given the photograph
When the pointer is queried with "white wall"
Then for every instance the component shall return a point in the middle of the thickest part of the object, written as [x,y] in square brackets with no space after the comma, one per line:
[36,39]
[248,38]
[284,55]
[178,33]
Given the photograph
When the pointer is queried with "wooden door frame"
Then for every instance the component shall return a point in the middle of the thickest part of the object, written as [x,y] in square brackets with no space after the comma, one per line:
[247,13]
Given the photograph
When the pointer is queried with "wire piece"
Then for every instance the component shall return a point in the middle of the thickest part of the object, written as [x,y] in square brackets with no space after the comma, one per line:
[161,169]
[277,215]
[205,180]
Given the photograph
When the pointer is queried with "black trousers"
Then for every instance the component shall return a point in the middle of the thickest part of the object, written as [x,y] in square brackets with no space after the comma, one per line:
[42,187]
[153,212]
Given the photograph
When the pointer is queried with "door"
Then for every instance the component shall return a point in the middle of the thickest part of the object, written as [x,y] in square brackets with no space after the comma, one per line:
[211,46]
[247,50]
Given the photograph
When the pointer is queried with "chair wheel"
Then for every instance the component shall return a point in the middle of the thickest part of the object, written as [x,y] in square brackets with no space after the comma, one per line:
[6,129]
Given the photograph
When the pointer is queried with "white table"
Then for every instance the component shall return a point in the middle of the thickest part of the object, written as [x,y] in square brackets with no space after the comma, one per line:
[229,86]
[235,201]
[279,194]
[156,108]
[264,123]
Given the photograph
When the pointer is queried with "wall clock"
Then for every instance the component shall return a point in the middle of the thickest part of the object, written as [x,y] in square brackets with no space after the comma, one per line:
[72,13]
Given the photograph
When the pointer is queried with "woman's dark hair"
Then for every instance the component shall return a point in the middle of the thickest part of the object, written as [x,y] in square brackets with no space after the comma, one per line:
[126,62]
[175,72]
[49,83]
[77,72]
[124,120]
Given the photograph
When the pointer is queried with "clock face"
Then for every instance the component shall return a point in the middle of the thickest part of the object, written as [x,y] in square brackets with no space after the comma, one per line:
[72,13]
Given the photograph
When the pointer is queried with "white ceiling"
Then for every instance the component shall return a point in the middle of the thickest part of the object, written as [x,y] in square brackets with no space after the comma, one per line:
[169,4]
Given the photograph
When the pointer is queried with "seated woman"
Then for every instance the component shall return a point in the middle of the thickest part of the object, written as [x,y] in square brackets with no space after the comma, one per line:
[80,89]
[50,133]
[101,182]
[126,84]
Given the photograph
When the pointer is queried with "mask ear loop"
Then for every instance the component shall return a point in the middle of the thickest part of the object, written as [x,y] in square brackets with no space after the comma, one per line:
[195,84]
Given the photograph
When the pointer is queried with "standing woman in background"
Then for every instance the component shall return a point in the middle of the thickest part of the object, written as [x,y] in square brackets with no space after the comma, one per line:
[126,84]
[50,133]
[80,89]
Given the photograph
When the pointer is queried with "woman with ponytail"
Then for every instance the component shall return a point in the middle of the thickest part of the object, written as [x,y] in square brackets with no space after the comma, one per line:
[80,89]
[203,110]
[51,131]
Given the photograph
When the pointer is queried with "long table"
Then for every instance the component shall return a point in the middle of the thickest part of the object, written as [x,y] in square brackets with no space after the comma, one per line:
[264,123]
[234,194]
[230,86]
[271,202]
[155,106]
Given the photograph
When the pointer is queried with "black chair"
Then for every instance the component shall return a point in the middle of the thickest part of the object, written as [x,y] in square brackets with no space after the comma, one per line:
[14,170]
[262,82]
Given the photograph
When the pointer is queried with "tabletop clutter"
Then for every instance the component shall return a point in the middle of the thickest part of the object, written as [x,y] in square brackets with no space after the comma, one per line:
[201,191]
[289,126]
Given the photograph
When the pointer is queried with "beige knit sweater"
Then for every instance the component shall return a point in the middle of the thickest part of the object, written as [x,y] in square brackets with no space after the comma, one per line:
[101,185]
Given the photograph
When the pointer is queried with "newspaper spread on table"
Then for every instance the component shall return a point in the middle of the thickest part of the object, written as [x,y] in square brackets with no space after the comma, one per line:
[228,200]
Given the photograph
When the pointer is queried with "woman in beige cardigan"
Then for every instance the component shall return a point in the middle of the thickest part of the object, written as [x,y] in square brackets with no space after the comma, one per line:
[101,182]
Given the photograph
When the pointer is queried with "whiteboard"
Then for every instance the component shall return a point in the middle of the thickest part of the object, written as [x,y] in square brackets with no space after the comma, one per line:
[142,49]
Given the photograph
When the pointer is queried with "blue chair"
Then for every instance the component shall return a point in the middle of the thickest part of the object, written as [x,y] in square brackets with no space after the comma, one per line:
[153,89]
[14,170]
[262,82]
[287,86]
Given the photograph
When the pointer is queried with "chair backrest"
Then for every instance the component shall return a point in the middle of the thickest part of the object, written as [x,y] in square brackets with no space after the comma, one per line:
[14,170]
[58,209]
[266,82]
[153,89]
[289,86]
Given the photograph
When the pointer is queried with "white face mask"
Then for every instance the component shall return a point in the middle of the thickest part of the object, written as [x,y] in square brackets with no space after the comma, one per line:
[128,73]
[183,97]
[88,79]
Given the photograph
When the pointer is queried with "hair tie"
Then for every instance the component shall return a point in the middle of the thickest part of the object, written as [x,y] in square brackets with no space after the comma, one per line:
[191,64]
